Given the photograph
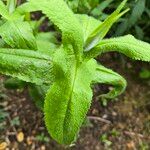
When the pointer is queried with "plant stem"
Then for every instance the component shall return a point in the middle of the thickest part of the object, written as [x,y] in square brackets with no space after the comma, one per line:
[99,119]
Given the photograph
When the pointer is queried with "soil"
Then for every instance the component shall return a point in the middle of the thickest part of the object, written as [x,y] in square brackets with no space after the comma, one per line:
[125,125]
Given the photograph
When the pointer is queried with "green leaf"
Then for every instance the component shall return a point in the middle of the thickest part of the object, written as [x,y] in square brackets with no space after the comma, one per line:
[100,8]
[14,83]
[137,12]
[11,4]
[68,99]
[38,93]
[47,36]
[59,13]
[18,34]
[107,76]
[127,45]
[3,10]
[100,32]
[27,65]
[88,24]
[47,43]
[145,74]
[46,47]
[2,43]
[121,28]
[139,32]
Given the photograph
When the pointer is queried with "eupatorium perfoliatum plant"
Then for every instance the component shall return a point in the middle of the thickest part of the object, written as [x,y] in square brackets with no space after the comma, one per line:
[69,69]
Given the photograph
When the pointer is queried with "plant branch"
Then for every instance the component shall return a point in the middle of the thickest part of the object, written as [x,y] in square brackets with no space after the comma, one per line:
[99,119]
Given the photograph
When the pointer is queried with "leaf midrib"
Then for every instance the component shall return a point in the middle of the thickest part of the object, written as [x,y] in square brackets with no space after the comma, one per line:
[70,97]
[28,56]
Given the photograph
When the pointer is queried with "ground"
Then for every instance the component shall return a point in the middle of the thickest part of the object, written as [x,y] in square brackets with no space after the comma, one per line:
[124,124]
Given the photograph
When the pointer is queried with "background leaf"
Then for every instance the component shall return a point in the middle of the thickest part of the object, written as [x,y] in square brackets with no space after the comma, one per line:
[21,35]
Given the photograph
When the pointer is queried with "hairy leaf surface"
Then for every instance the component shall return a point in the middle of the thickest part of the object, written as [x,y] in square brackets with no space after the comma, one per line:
[27,65]
[71,70]
[127,45]
[68,99]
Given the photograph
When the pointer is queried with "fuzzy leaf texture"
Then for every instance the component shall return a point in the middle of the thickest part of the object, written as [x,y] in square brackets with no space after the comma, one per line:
[127,45]
[64,92]
[69,97]
[68,100]
[26,65]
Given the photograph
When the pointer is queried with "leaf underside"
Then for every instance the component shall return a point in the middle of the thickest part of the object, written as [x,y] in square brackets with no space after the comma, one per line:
[107,76]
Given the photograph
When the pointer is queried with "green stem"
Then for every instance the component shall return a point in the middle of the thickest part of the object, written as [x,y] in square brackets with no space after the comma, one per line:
[27,16]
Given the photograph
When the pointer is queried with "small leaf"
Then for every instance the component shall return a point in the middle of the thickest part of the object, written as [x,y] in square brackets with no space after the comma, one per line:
[100,32]
[137,12]
[145,74]
[107,76]
[139,32]
[100,8]
[3,10]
